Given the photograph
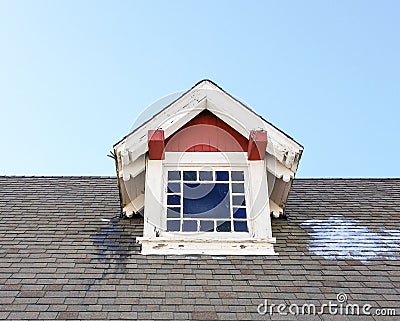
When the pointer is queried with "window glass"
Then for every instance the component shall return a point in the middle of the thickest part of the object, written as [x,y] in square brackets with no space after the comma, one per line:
[189,226]
[237,175]
[206,201]
[238,200]
[205,175]
[173,212]
[222,175]
[173,200]
[223,226]
[173,225]
[174,175]
[206,226]
[174,187]
[240,226]
[190,176]
[237,188]
[239,212]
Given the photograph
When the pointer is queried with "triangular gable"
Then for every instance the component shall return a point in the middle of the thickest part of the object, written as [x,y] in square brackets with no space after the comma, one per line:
[207,95]
[206,133]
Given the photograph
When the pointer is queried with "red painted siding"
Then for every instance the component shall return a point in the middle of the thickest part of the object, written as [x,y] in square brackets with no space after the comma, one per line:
[206,133]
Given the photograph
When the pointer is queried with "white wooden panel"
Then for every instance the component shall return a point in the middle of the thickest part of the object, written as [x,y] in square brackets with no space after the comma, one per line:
[258,208]
[153,209]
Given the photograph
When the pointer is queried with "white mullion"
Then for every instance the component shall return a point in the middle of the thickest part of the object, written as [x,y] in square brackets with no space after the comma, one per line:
[181,209]
[231,200]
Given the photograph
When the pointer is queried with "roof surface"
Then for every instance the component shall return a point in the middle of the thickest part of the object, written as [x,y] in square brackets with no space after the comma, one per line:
[65,254]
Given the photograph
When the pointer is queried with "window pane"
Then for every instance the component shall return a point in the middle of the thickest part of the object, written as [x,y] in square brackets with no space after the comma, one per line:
[189,175]
[222,175]
[239,213]
[237,188]
[173,225]
[223,226]
[240,226]
[207,226]
[206,200]
[173,200]
[189,226]
[206,176]
[174,175]
[174,187]
[237,176]
[173,212]
[238,200]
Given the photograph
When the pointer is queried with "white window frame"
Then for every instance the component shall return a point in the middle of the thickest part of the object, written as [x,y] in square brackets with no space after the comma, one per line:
[214,160]
[156,240]
[214,234]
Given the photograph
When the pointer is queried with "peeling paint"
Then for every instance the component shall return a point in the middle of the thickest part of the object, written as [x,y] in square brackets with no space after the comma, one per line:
[158,246]
[340,238]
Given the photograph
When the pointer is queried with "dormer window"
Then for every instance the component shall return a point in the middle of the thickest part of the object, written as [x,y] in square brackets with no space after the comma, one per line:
[207,173]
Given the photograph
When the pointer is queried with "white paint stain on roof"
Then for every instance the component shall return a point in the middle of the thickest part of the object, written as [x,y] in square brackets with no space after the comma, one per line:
[340,238]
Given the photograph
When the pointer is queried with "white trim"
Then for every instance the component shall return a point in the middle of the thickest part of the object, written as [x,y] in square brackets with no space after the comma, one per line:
[163,246]
[259,201]
[153,196]
[206,159]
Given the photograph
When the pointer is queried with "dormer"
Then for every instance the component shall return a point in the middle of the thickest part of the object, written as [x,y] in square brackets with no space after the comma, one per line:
[207,173]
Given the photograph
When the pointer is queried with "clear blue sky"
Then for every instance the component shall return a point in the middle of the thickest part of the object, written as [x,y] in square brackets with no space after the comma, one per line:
[74,75]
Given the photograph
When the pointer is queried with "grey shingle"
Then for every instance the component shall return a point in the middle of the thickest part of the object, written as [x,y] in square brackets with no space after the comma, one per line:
[59,260]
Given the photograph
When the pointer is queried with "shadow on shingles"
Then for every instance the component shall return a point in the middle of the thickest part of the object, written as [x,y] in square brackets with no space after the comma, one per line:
[114,246]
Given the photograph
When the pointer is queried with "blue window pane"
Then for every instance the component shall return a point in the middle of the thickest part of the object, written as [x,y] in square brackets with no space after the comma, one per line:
[206,176]
[190,176]
[189,226]
[240,226]
[174,187]
[223,226]
[237,176]
[174,175]
[239,213]
[237,188]
[173,225]
[187,186]
[173,200]
[222,175]
[206,226]
[206,200]
[173,212]
[238,200]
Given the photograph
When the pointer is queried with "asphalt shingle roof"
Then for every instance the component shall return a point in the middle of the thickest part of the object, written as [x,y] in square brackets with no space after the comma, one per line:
[65,254]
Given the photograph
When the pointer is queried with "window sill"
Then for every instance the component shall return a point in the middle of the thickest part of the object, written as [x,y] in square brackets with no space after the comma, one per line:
[184,246]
